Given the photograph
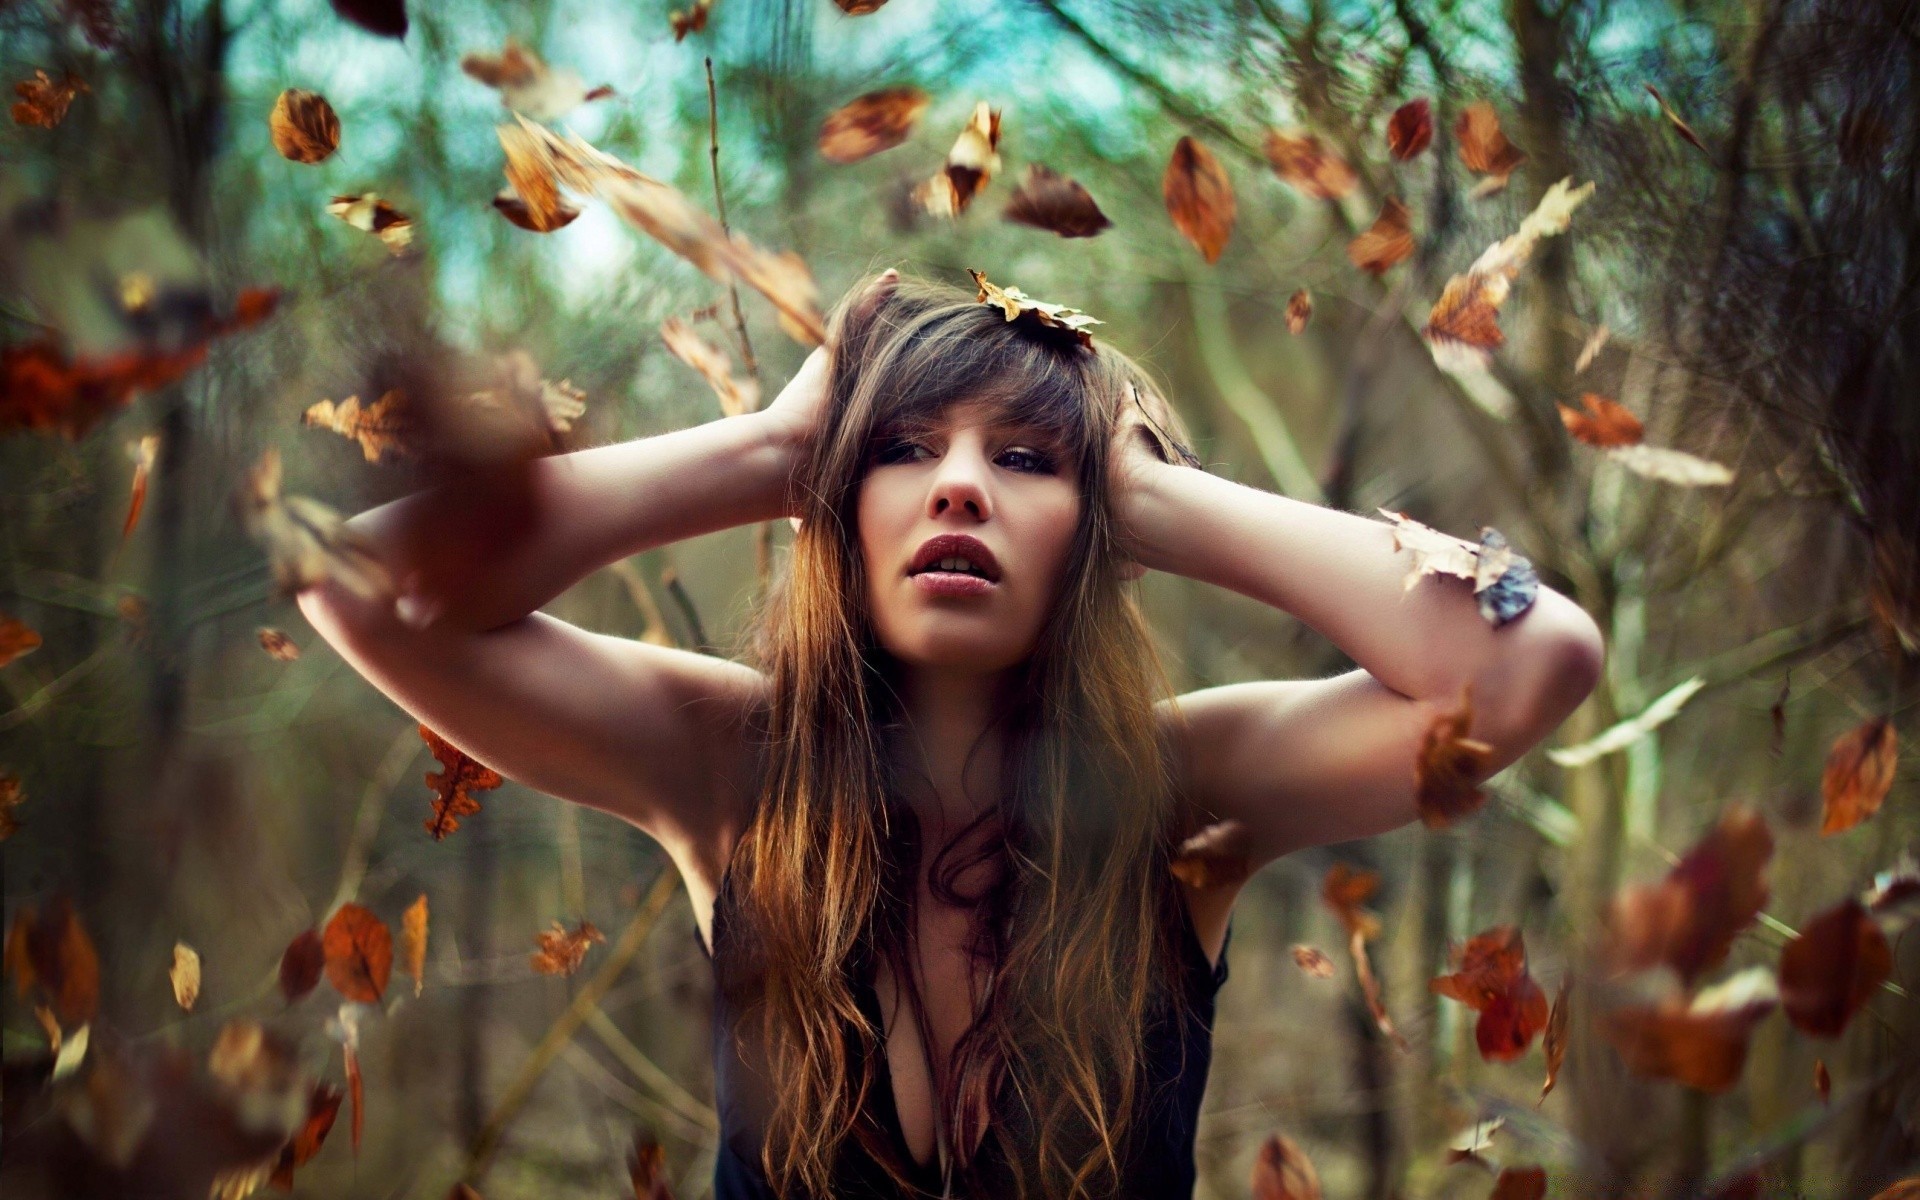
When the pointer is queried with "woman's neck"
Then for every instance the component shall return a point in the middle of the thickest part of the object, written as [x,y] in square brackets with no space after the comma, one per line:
[948,747]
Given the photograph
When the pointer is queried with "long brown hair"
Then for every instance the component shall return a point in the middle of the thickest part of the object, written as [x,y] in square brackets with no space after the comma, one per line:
[1079,932]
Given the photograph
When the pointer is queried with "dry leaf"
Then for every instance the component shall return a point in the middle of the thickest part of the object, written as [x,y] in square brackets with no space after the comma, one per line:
[387,426]
[1674,117]
[1605,423]
[515,209]
[301,964]
[1312,960]
[1199,197]
[16,639]
[307,542]
[1631,730]
[143,453]
[42,101]
[1387,241]
[323,1105]
[1671,466]
[1218,856]
[1463,329]
[1688,920]
[52,952]
[1282,1171]
[413,941]
[1702,1043]
[1520,1183]
[1056,204]
[71,1052]
[1554,1043]
[868,124]
[859,8]
[689,20]
[737,396]
[528,85]
[368,213]
[1344,890]
[1449,766]
[1299,310]
[647,1168]
[453,784]
[1474,1141]
[1311,166]
[388,18]
[304,126]
[1858,774]
[1015,303]
[1492,980]
[973,161]
[1504,583]
[277,644]
[359,953]
[1484,149]
[12,796]
[1410,129]
[561,952]
[185,975]
[1832,967]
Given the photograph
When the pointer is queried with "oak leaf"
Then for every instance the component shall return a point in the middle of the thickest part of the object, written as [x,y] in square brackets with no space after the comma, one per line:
[1492,980]
[868,124]
[304,126]
[386,426]
[1605,422]
[307,542]
[1463,329]
[359,953]
[561,951]
[1014,303]
[44,102]
[454,784]
[1199,197]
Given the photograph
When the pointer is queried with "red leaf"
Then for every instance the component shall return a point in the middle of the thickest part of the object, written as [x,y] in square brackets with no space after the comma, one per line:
[359,953]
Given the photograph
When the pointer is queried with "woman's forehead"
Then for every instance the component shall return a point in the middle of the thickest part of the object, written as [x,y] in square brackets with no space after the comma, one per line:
[995,413]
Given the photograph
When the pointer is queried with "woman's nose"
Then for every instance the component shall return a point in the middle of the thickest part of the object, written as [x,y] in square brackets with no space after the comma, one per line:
[960,483]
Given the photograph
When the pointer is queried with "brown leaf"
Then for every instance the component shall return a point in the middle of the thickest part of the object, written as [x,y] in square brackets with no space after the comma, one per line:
[647,1168]
[859,8]
[1702,1043]
[1055,203]
[1484,148]
[17,638]
[1387,241]
[12,796]
[413,941]
[42,101]
[1858,774]
[388,18]
[1462,331]
[1310,165]
[1822,1082]
[1604,423]
[307,542]
[368,213]
[868,124]
[737,396]
[52,952]
[1410,129]
[1466,317]
[1199,197]
[144,452]
[1450,765]
[1472,1142]
[1689,919]
[1492,980]
[1344,890]
[1282,1171]
[1215,857]
[689,20]
[1299,310]
[323,1105]
[511,206]
[561,952]
[454,784]
[1554,1043]
[1014,303]
[1674,117]
[300,965]
[356,1098]
[1313,961]
[973,161]
[387,426]
[1832,968]
[359,952]
[185,975]
[528,85]
[1520,1183]
[277,644]
[304,126]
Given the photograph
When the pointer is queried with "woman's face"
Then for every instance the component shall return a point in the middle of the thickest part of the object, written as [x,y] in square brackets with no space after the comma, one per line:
[1003,484]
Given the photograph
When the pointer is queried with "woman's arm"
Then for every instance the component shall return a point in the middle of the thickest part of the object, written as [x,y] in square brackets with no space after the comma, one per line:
[1307,762]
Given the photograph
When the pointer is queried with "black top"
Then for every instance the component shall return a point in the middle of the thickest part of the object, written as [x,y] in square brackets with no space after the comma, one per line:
[1160,1164]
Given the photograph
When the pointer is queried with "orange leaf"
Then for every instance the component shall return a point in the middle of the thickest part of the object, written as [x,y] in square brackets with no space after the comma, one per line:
[1483,148]
[1520,1183]
[1832,968]
[16,639]
[1410,129]
[1284,1172]
[1050,201]
[1309,165]
[1199,197]
[1689,919]
[304,126]
[367,212]
[1703,1043]
[1489,964]
[1215,857]
[300,965]
[1388,241]
[1509,1024]
[359,952]
[454,784]
[974,159]
[866,125]
[277,644]
[1858,774]
[561,952]
[42,101]
[1605,423]
[690,20]
[1299,310]
[387,426]
[354,1093]
[1344,890]
[413,941]
[144,451]
[323,1105]
[1449,766]
[53,952]
[647,1168]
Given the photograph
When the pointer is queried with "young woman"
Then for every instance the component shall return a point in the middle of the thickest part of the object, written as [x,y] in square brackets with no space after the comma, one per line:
[927,829]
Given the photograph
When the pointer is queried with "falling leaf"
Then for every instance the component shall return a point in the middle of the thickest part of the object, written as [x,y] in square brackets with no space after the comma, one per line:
[301,964]
[514,208]
[277,644]
[453,785]
[1199,197]
[1822,1082]
[1894,898]
[1631,730]
[1410,129]
[323,1105]
[1520,1183]
[689,20]
[737,396]
[1605,422]
[1448,766]
[859,8]
[42,101]
[368,213]
[388,18]
[561,952]
[973,161]
[519,415]
[1588,351]
[359,953]
[1386,242]
[528,85]
[1858,775]
[413,941]
[1777,715]
[1463,329]
[71,1053]
[304,126]
[1674,117]
[51,951]
[1299,310]
[1307,163]
[1282,1171]
[1218,856]
[1701,1043]
[346,1026]
[868,124]
[1554,1042]
[1688,920]
[12,796]
[143,453]
[1015,303]
[1312,960]
[1484,149]
[185,975]
[1492,980]
[307,542]
[1671,466]
[387,426]
[1473,1141]
[42,388]
[1344,890]
[16,639]
[1832,967]
[1053,202]
[647,1167]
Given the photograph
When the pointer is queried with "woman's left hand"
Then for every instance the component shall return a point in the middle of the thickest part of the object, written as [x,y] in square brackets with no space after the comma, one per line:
[1134,457]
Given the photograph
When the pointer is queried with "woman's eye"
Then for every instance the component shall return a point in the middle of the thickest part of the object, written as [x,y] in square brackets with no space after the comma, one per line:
[1037,463]
[894,451]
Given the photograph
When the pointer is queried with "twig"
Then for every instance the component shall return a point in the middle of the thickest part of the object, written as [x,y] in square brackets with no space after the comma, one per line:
[51,692]
[638,592]
[649,1072]
[406,747]
[671,579]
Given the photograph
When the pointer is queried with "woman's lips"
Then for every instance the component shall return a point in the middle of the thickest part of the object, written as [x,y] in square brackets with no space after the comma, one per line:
[952,583]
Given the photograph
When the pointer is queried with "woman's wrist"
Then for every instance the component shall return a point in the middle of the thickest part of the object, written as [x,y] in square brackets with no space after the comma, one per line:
[781,438]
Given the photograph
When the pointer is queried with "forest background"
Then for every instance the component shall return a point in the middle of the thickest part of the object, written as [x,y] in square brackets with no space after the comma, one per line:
[1749,248]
